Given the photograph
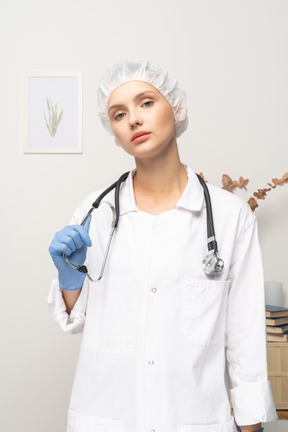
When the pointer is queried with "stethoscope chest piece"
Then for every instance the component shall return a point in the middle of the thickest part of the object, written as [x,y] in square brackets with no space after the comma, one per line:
[211,263]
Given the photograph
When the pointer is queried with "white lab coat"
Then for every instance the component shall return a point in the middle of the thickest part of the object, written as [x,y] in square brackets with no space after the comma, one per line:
[162,340]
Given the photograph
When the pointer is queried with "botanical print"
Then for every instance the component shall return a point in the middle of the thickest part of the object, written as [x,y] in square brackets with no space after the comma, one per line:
[53,113]
[54,120]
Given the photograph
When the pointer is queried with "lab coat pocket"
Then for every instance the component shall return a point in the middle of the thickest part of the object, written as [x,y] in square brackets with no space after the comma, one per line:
[79,422]
[204,310]
[229,426]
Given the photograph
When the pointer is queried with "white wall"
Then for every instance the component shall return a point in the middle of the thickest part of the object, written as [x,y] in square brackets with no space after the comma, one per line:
[230,56]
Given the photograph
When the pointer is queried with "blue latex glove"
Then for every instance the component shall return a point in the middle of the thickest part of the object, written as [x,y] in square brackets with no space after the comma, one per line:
[259,430]
[73,240]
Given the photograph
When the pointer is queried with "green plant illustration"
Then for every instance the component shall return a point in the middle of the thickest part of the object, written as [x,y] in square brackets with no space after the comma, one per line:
[54,119]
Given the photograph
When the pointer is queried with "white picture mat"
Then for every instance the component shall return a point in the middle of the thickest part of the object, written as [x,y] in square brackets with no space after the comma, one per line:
[65,90]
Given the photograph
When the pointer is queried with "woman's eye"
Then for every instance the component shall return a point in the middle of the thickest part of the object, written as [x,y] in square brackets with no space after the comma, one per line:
[119,116]
[148,103]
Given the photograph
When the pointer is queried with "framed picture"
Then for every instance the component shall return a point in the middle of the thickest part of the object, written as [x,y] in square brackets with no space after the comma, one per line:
[52,114]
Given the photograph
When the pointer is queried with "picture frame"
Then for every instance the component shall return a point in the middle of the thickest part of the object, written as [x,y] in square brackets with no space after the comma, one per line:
[52,112]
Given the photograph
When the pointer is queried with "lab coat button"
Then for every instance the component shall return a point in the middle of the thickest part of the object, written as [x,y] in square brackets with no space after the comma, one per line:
[154,290]
[153,430]
[151,362]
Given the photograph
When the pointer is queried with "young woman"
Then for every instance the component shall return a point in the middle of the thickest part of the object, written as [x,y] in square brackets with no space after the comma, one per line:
[161,338]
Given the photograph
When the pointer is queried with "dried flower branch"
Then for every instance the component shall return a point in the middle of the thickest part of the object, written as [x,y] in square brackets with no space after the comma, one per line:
[230,185]
[262,193]
[279,182]
[202,175]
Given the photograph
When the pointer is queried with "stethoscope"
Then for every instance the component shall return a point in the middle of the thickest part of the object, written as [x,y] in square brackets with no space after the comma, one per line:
[211,264]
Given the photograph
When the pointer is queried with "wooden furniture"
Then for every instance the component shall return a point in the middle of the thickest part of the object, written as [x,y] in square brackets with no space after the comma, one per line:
[277,360]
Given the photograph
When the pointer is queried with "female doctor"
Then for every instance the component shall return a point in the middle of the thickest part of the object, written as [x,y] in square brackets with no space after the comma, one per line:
[165,346]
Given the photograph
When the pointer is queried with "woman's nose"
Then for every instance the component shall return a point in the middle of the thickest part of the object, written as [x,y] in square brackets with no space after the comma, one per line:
[135,120]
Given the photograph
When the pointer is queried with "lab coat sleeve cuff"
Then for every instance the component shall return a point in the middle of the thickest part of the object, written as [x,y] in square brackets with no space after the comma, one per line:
[253,403]
[74,322]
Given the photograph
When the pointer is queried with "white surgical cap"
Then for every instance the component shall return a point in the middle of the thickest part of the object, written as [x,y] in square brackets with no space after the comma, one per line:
[142,70]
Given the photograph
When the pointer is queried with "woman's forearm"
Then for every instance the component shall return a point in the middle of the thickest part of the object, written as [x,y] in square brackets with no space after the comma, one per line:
[70,298]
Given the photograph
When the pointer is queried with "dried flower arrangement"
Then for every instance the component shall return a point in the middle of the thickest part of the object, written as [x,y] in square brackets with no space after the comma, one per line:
[230,185]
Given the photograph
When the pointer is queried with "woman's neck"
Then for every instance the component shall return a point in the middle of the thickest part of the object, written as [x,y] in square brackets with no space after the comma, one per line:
[159,183]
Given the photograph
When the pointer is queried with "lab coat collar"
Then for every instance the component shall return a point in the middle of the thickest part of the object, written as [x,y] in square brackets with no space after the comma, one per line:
[191,199]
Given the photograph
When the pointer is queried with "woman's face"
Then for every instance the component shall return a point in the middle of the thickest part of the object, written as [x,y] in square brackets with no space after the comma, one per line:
[136,107]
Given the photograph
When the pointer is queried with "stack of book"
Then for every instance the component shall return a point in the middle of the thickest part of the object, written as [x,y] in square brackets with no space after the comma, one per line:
[277,323]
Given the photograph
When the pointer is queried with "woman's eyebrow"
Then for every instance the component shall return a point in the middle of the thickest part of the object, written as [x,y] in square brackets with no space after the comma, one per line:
[138,96]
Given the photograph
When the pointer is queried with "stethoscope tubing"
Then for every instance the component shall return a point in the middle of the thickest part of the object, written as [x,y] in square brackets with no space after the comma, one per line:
[116,215]
[211,240]
[212,243]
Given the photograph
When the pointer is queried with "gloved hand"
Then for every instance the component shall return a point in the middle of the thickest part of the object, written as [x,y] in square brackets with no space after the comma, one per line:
[73,241]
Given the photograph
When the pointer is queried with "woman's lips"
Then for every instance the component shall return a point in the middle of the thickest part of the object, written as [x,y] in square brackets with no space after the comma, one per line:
[141,138]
